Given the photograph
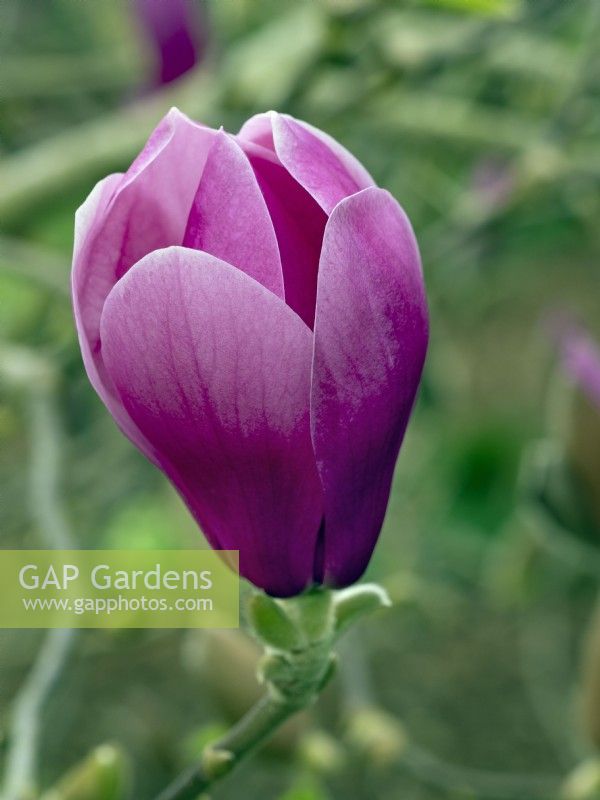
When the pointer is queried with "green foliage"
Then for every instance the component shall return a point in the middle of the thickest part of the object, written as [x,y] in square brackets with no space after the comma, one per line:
[306,788]
[265,69]
[21,307]
[143,524]
[357,601]
[495,8]
[271,624]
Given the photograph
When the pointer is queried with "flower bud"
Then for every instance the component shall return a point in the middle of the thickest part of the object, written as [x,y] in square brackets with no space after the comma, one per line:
[321,753]
[251,310]
[103,775]
[584,782]
[379,736]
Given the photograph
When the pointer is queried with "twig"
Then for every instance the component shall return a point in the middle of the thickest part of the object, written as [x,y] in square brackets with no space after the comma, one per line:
[245,737]
[485,784]
[27,76]
[45,437]
[47,511]
[19,780]
[359,697]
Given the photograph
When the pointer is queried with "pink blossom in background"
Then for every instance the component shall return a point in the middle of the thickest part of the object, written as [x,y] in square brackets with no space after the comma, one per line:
[580,358]
[177,32]
[251,310]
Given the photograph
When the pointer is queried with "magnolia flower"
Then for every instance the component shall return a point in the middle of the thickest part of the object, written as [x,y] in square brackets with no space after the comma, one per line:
[251,310]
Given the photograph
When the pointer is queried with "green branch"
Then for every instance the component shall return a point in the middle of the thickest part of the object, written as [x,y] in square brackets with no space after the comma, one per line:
[92,149]
[22,369]
[298,635]
[219,759]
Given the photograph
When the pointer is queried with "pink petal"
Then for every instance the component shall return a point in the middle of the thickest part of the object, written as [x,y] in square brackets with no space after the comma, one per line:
[124,218]
[215,371]
[86,222]
[229,218]
[320,164]
[370,344]
[258,129]
[148,210]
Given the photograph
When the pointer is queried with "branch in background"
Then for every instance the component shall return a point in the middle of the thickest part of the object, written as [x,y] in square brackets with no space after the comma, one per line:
[36,264]
[46,446]
[19,779]
[94,148]
[27,371]
[483,784]
[384,740]
[430,115]
[53,75]
[568,117]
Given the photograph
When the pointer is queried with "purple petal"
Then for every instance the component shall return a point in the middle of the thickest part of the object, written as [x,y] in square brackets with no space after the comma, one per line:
[299,225]
[318,173]
[229,218]
[320,164]
[126,217]
[215,371]
[370,344]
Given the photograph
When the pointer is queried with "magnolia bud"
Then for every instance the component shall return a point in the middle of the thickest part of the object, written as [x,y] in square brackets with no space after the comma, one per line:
[379,736]
[584,782]
[103,775]
[321,753]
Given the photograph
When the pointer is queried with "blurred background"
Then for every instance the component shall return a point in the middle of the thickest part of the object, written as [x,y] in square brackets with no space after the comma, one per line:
[483,118]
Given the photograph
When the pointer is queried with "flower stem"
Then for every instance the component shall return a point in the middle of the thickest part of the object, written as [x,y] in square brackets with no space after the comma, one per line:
[298,635]
[221,758]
